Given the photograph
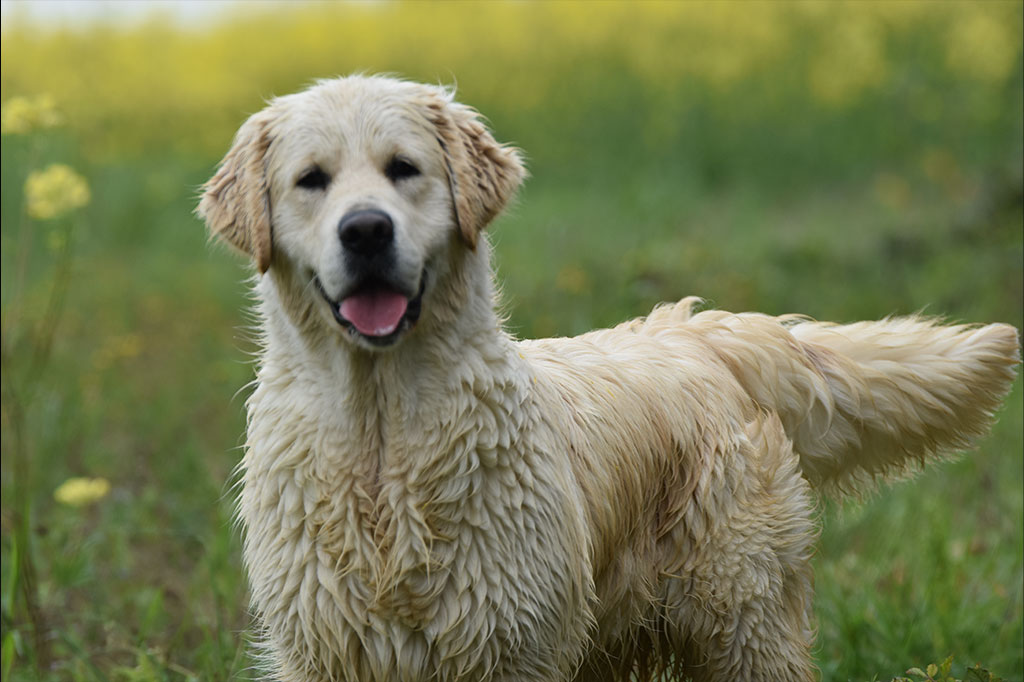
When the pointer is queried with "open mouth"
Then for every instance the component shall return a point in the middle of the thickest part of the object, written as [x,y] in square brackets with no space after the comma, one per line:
[376,311]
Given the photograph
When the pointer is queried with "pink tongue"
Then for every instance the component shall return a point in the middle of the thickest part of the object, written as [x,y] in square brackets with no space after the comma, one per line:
[375,313]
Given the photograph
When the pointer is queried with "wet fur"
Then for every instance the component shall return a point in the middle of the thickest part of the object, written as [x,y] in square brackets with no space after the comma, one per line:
[465,506]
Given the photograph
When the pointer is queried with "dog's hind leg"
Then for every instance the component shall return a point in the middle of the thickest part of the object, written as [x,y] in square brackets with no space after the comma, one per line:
[737,602]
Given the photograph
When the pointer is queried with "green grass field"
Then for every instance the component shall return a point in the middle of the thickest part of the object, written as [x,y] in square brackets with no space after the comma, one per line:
[845,161]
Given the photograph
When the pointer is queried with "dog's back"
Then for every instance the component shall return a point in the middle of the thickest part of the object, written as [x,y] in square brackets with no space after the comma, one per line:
[858,401]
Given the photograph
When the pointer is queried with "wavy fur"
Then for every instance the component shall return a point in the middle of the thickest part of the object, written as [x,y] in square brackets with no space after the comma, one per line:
[635,503]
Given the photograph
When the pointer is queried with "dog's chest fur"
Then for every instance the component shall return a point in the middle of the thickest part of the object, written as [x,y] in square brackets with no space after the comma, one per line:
[376,555]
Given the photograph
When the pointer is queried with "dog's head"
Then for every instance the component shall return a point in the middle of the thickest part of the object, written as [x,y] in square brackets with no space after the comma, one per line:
[360,186]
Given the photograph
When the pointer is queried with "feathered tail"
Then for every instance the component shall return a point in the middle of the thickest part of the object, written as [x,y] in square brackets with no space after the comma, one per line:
[865,400]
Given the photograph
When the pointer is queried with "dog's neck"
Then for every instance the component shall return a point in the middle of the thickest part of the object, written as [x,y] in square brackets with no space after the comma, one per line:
[393,390]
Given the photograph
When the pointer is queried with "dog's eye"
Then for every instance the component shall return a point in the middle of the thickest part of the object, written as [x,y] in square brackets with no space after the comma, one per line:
[314,178]
[399,169]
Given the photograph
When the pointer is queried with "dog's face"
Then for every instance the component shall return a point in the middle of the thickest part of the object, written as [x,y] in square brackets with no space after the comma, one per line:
[360,187]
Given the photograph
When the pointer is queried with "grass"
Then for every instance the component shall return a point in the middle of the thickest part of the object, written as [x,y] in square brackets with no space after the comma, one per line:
[651,180]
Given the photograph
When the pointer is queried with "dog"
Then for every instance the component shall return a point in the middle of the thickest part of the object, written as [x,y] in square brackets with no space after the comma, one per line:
[424,497]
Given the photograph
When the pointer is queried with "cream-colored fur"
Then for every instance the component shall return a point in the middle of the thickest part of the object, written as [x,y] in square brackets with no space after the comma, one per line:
[450,503]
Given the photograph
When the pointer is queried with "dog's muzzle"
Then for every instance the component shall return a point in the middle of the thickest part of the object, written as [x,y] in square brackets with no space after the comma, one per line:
[378,308]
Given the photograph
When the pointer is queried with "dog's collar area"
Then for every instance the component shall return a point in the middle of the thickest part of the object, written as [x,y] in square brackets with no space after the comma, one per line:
[409,317]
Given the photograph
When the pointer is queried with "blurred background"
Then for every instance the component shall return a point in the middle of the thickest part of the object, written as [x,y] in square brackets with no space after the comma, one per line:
[842,160]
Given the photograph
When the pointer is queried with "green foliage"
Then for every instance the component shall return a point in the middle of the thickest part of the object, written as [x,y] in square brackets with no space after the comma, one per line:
[944,673]
[844,160]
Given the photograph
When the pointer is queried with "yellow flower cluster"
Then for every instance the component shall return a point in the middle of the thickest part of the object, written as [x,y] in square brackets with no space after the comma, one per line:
[851,60]
[117,348]
[22,115]
[983,47]
[78,492]
[573,279]
[54,191]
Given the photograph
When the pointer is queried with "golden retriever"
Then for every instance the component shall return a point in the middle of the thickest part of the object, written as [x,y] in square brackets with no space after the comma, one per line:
[426,498]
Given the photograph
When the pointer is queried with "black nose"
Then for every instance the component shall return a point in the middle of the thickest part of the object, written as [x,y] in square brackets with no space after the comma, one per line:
[366,232]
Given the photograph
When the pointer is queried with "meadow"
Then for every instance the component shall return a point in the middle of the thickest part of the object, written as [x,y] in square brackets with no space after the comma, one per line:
[842,160]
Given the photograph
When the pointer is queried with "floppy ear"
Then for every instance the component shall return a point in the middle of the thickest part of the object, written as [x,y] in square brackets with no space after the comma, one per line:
[236,200]
[483,175]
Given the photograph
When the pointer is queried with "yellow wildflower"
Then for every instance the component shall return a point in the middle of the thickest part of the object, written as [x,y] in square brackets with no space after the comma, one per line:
[54,191]
[892,191]
[78,492]
[983,46]
[117,348]
[851,61]
[22,115]
[573,279]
